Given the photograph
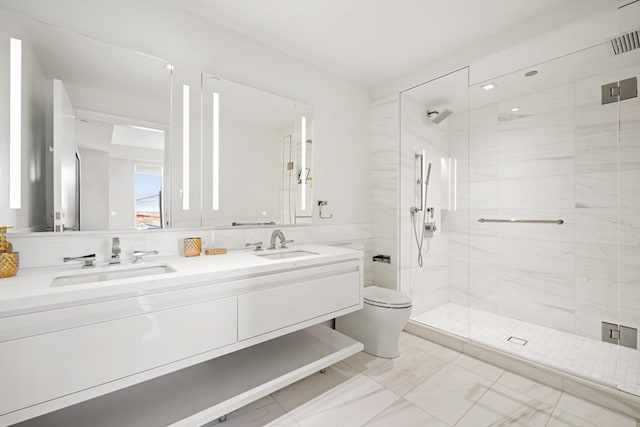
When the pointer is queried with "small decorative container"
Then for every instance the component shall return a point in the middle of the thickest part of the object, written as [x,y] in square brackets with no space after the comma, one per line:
[192,246]
[9,264]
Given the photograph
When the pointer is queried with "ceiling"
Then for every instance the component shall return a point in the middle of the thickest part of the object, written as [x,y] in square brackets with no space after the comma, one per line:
[371,42]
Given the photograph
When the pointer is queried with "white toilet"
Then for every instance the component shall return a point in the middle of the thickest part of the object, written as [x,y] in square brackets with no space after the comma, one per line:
[379,323]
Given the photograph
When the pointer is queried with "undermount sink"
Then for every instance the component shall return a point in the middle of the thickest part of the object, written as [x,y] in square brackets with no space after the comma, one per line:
[104,275]
[285,255]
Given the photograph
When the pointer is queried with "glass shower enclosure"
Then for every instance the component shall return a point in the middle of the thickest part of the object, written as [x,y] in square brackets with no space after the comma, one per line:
[534,192]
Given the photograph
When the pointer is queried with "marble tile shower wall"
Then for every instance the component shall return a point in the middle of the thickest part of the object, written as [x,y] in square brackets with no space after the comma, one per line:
[559,160]
[427,285]
[385,176]
[41,250]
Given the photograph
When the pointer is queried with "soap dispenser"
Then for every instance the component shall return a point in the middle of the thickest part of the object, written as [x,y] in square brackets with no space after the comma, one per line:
[5,247]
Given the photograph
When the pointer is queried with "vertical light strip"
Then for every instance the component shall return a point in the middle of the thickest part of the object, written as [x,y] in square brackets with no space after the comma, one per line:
[215,184]
[455,184]
[303,163]
[444,173]
[185,146]
[423,184]
[449,182]
[15,122]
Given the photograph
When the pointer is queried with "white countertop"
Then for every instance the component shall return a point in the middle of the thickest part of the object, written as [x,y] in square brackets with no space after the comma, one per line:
[31,291]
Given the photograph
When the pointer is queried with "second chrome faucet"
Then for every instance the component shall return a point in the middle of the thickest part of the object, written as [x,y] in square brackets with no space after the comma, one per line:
[278,234]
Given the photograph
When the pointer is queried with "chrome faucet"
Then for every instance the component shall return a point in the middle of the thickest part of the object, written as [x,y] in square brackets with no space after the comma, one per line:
[115,251]
[277,234]
[138,256]
[89,260]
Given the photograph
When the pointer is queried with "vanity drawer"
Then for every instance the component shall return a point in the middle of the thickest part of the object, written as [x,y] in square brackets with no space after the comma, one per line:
[43,367]
[272,309]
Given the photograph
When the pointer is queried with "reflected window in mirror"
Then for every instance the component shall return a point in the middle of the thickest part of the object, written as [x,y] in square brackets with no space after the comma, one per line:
[148,190]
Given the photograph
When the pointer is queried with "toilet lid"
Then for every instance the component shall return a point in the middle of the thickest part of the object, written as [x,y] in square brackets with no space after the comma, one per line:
[383,297]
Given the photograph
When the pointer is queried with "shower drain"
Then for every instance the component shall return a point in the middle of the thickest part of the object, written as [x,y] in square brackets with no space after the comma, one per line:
[517,340]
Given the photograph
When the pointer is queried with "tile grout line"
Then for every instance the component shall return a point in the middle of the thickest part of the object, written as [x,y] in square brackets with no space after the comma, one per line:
[479,398]
[555,406]
[446,363]
[285,411]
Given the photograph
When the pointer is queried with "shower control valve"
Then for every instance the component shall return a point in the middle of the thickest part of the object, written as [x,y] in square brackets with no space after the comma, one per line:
[430,227]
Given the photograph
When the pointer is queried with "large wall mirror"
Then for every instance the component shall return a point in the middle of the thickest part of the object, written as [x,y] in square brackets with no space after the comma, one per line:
[264,146]
[97,137]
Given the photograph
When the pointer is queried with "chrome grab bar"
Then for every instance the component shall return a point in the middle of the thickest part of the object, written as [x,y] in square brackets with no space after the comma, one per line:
[525,221]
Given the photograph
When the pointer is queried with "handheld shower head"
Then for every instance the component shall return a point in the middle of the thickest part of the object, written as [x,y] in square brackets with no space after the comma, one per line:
[437,116]
[426,182]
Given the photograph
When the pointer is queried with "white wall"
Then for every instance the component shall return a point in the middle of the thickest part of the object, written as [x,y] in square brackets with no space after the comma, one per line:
[341,109]
[122,210]
[94,189]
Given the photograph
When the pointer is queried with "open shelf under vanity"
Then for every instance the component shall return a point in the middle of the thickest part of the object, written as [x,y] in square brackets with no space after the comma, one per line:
[204,392]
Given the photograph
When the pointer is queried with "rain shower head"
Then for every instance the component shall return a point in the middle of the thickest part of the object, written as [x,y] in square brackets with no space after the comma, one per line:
[437,116]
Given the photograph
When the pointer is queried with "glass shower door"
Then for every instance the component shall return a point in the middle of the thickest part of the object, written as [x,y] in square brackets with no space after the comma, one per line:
[628,224]
[554,229]
[434,201]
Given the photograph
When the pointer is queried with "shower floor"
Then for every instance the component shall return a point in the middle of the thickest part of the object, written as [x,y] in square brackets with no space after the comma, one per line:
[603,362]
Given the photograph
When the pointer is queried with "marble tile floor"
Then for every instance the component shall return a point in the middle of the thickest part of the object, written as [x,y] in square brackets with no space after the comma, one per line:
[593,359]
[426,386]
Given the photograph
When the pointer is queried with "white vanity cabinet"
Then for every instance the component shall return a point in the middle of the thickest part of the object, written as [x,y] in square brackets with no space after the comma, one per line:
[295,301]
[44,367]
[185,339]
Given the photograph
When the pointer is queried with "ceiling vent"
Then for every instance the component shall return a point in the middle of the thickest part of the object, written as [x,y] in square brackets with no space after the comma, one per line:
[625,42]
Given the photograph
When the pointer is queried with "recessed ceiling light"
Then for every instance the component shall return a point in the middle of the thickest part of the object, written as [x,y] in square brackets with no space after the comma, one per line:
[514,109]
[489,86]
[531,73]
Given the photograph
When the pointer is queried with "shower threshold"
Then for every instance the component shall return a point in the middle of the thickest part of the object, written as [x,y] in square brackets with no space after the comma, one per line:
[554,357]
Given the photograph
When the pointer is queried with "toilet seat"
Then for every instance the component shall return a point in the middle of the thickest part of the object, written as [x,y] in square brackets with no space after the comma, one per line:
[385,298]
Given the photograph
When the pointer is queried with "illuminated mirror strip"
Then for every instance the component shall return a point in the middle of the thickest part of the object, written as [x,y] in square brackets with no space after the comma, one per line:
[303,163]
[216,148]
[450,183]
[15,122]
[185,147]
[455,184]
